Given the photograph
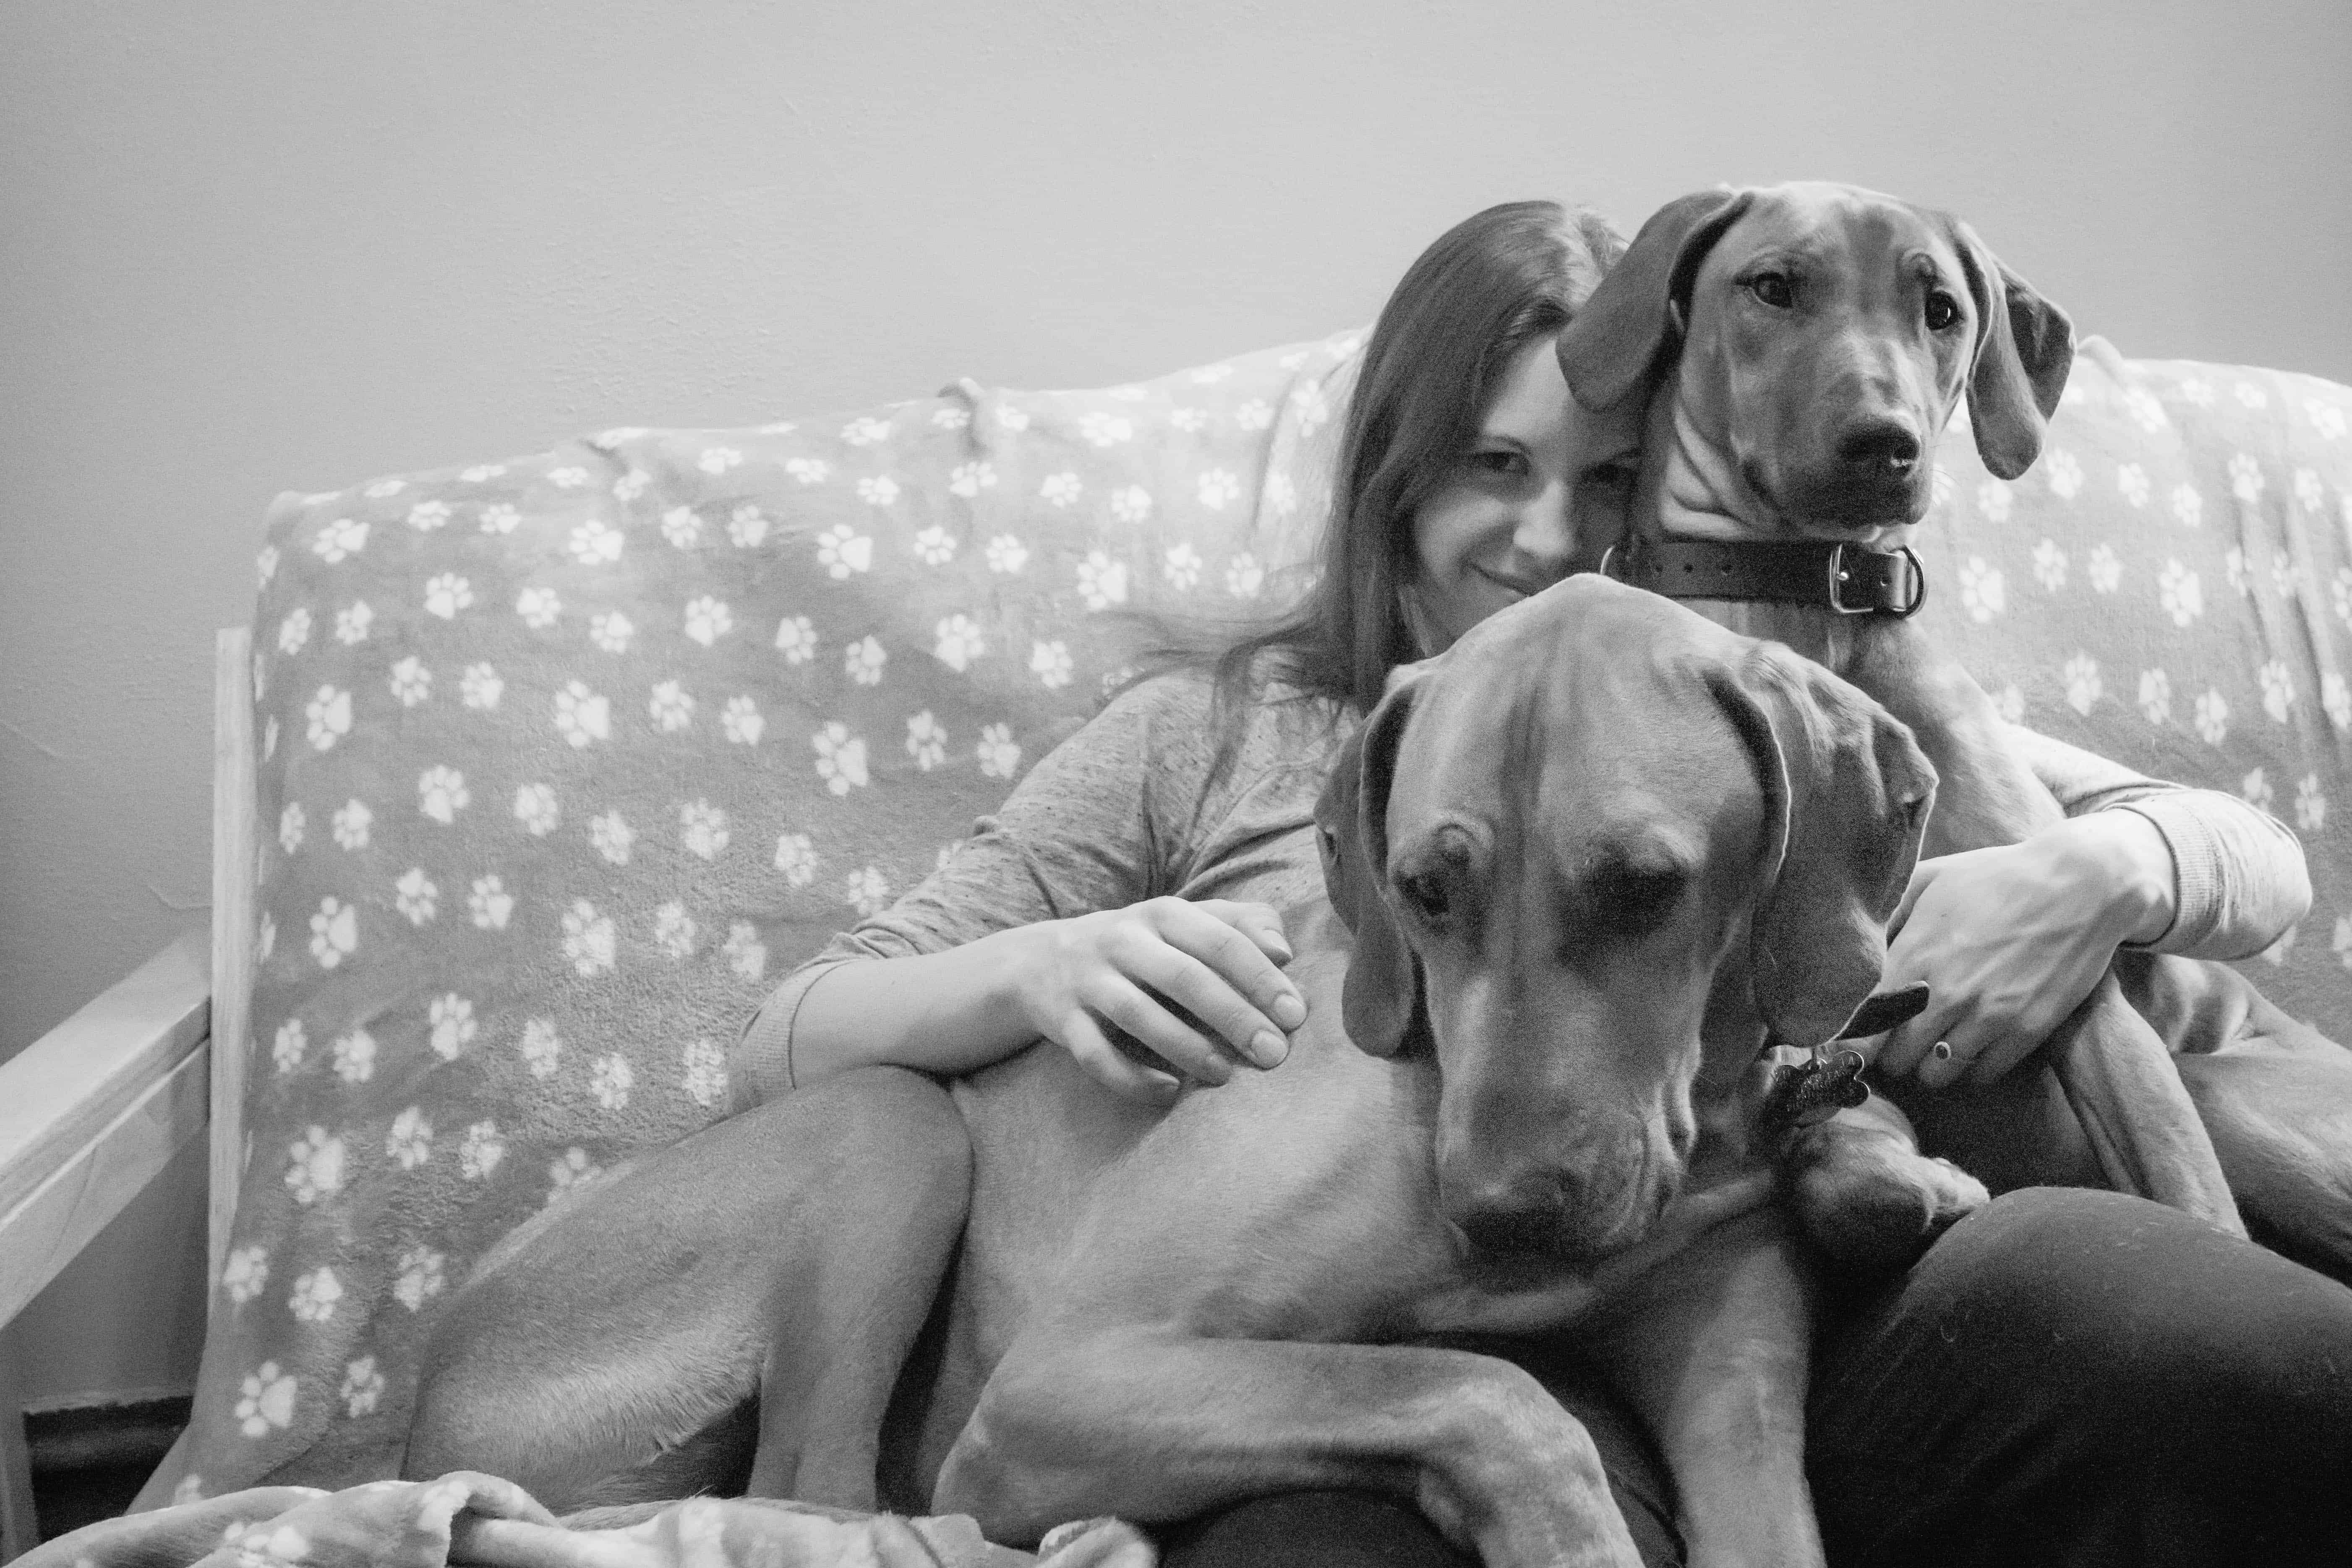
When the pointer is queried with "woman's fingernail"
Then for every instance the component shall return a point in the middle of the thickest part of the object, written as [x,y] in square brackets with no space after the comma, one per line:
[1163,1088]
[1267,1048]
[1290,1010]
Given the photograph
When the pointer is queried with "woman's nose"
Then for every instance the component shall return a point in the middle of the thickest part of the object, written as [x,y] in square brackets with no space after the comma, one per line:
[1547,526]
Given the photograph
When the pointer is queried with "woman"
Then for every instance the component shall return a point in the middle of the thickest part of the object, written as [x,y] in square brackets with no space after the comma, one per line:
[2070,1377]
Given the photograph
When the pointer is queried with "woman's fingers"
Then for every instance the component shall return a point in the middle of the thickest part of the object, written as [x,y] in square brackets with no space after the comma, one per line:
[1079,1034]
[1233,941]
[1257,922]
[1125,1003]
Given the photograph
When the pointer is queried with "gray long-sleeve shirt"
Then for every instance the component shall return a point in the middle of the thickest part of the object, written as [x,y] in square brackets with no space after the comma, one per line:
[1131,807]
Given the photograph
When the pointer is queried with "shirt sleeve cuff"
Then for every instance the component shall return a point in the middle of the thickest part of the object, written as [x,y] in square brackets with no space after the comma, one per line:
[761,1067]
[2196,882]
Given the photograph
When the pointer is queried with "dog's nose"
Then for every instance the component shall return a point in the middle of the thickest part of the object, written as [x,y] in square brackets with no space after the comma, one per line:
[1879,445]
[1514,1221]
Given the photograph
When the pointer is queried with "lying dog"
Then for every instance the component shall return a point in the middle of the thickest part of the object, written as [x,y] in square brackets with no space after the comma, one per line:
[1541,1113]
[1802,348]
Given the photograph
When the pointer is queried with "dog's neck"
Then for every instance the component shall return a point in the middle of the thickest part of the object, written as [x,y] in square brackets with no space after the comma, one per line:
[1691,487]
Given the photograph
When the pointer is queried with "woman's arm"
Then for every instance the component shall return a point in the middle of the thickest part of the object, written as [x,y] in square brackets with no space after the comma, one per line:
[1043,922]
[2009,940]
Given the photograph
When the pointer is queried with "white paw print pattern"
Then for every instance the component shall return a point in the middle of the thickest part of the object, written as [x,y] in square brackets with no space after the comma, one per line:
[999,756]
[294,632]
[2050,565]
[315,1295]
[843,551]
[568,477]
[542,1046]
[741,721]
[265,1401]
[1006,554]
[863,661]
[2064,473]
[2310,805]
[1102,582]
[865,431]
[747,527]
[334,932]
[2104,569]
[682,526]
[868,892]
[1245,576]
[612,837]
[351,820]
[926,740]
[1255,415]
[588,939]
[958,642]
[2246,478]
[411,682]
[1994,501]
[2156,696]
[290,827]
[409,1140]
[796,639]
[490,903]
[480,687]
[441,794]
[796,858]
[1982,593]
[355,1057]
[2179,592]
[1099,428]
[414,896]
[285,1048]
[351,623]
[611,630]
[538,607]
[934,547]
[1062,489]
[499,518]
[2335,698]
[446,594]
[480,1154]
[362,1388]
[315,1166]
[1130,505]
[702,829]
[535,808]
[673,932]
[1050,663]
[1181,565]
[423,1275]
[1219,489]
[2188,506]
[671,707]
[2327,419]
[451,1017]
[878,489]
[595,543]
[707,619]
[2145,409]
[745,953]
[968,480]
[2278,689]
[705,1077]
[2211,717]
[2010,703]
[244,1273]
[329,716]
[339,540]
[571,1172]
[840,758]
[2310,495]
[610,1080]
[2084,686]
[583,716]
[809,471]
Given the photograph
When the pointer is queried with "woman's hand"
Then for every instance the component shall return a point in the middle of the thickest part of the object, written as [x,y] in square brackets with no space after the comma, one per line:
[2010,940]
[1217,960]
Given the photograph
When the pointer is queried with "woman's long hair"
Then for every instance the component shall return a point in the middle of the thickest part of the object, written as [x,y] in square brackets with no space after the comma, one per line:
[1485,288]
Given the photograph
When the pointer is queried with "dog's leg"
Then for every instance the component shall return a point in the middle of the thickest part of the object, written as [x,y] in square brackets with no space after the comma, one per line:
[1153,1424]
[1868,1198]
[1712,1350]
[791,1252]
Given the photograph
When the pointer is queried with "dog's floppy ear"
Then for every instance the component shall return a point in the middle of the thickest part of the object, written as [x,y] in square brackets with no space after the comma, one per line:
[2025,347]
[1379,1002]
[1612,345]
[1846,797]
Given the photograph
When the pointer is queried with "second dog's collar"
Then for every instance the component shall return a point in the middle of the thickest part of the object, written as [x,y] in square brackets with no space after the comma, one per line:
[1851,578]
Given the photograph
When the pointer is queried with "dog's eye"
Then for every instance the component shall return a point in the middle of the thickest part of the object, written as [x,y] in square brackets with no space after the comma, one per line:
[1943,311]
[1635,901]
[1424,893]
[1773,288]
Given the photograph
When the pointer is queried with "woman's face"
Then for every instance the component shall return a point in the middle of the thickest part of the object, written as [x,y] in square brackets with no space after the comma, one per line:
[1541,491]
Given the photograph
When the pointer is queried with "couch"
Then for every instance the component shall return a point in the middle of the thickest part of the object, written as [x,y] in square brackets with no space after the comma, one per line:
[539,773]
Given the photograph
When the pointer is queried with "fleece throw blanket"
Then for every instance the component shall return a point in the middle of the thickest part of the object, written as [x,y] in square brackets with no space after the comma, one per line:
[464,1518]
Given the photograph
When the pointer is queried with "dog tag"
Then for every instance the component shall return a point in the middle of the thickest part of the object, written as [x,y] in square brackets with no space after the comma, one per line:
[1811,1093]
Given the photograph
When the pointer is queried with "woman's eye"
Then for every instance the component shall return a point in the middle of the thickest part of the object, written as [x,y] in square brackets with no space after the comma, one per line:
[1773,288]
[1506,464]
[1943,311]
[1614,475]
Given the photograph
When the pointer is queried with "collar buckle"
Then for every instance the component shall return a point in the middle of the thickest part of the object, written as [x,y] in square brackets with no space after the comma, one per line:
[1839,574]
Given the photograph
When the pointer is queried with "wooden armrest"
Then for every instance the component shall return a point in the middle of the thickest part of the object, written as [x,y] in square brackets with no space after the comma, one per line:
[92,1110]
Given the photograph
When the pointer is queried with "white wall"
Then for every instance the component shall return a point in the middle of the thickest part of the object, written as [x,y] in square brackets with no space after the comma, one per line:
[265,243]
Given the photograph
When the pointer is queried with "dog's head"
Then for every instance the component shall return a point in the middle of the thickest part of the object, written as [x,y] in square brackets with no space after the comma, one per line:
[1823,336]
[1549,840]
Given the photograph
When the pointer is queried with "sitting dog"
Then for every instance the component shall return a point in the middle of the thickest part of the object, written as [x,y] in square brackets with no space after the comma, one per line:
[1541,1114]
[1802,348]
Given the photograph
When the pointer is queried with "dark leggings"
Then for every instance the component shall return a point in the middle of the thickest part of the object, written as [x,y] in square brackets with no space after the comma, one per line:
[2067,1378]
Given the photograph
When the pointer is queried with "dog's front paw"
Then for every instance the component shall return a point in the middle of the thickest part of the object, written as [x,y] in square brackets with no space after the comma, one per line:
[1871,1201]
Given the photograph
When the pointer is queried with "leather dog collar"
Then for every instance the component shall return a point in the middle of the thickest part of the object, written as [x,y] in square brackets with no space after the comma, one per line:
[1852,579]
